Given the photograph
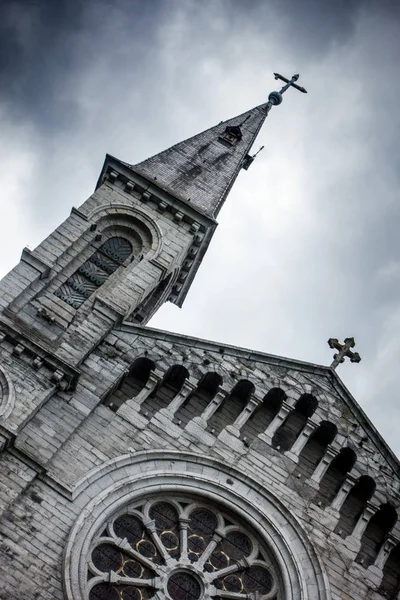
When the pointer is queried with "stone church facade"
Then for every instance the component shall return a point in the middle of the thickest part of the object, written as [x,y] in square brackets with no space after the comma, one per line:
[137,463]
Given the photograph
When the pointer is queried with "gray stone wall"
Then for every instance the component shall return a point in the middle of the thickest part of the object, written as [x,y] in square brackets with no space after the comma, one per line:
[74,434]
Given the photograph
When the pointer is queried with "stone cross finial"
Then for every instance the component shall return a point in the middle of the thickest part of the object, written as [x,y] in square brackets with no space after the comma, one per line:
[343,351]
[275,98]
[290,82]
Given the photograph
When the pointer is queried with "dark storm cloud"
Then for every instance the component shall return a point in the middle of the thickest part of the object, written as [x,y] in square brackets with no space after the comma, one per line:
[44,42]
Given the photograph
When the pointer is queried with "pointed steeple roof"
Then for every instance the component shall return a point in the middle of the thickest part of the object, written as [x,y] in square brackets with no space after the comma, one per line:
[202,169]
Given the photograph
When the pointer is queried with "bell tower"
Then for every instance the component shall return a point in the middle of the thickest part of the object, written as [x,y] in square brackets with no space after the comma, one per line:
[136,243]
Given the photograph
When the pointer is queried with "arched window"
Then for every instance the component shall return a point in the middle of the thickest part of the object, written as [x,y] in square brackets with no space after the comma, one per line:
[167,390]
[95,271]
[353,506]
[148,565]
[291,428]
[195,404]
[374,535]
[132,384]
[315,449]
[263,415]
[390,585]
[231,407]
[335,475]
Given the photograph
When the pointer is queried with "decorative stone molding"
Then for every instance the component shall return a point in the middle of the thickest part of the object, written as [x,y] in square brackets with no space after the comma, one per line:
[30,258]
[108,491]
[33,354]
[135,212]
[7,395]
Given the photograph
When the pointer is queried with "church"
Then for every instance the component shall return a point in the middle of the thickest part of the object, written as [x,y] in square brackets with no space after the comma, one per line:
[140,464]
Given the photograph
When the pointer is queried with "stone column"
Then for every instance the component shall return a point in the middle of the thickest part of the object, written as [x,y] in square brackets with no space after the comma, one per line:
[198,425]
[213,406]
[323,466]
[130,410]
[276,423]
[301,441]
[384,552]
[179,399]
[354,540]
[343,492]
[149,387]
[250,407]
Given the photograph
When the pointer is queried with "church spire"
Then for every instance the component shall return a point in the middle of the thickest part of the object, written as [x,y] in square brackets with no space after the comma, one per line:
[202,169]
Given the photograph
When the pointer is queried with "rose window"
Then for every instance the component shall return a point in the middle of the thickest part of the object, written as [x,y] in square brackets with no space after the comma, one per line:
[179,549]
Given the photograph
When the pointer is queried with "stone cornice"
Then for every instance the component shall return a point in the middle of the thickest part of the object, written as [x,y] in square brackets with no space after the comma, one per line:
[62,374]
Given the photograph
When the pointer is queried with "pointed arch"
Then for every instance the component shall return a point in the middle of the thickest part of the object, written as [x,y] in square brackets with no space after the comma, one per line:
[167,389]
[375,533]
[335,475]
[354,505]
[231,407]
[95,271]
[263,415]
[199,399]
[132,384]
[315,449]
[291,428]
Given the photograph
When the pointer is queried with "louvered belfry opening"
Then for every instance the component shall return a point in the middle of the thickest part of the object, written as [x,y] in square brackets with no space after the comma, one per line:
[95,271]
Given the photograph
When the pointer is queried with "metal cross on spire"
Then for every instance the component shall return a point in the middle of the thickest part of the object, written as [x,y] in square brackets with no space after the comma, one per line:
[343,351]
[275,98]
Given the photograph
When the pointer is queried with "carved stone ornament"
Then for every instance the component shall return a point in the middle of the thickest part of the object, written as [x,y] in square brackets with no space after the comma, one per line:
[7,395]
[167,525]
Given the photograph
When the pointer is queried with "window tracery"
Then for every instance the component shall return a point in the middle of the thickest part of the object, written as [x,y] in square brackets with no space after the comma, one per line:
[95,271]
[179,549]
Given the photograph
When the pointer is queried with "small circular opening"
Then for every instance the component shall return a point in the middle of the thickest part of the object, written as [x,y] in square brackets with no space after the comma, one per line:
[183,586]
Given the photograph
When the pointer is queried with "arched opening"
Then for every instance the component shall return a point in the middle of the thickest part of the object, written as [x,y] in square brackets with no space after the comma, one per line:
[335,475]
[291,428]
[198,400]
[231,407]
[315,449]
[132,384]
[390,586]
[263,415]
[375,533]
[95,271]
[354,505]
[167,389]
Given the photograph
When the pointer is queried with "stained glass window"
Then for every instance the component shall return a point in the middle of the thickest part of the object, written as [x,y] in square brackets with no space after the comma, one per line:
[94,272]
[180,549]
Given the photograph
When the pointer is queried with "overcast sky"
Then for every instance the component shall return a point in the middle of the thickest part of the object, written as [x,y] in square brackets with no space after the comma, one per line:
[308,246]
